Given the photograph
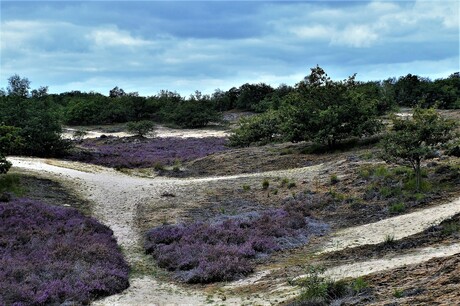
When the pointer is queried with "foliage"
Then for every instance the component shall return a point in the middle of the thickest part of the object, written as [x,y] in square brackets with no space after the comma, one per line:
[327,111]
[224,248]
[157,152]
[9,142]
[258,129]
[320,290]
[52,255]
[141,128]
[265,184]
[10,183]
[417,138]
[36,118]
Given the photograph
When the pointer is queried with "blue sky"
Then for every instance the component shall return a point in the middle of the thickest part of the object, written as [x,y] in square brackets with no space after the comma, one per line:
[184,46]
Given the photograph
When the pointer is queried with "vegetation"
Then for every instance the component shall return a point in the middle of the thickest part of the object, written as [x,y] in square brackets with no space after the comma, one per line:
[224,249]
[319,110]
[158,152]
[9,142]
[53,255]
[141,128]
[417,138]
[34,117]
[318,289]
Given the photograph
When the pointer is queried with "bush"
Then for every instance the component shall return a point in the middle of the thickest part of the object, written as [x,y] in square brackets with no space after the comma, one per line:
[265,184]
[141,128]
[52,255]
[223,249]
[259,129]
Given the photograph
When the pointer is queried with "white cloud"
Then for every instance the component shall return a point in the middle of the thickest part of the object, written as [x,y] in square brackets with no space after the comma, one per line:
[357,36]
[316,31]
[108,37]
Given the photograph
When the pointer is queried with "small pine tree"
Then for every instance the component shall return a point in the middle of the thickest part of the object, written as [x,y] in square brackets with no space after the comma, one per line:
[417,138]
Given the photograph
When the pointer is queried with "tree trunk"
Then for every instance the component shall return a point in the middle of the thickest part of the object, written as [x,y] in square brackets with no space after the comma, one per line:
[418,176]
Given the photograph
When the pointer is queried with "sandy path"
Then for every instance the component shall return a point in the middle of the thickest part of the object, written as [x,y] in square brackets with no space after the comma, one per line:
[116,195]
[160,131]
[397,227]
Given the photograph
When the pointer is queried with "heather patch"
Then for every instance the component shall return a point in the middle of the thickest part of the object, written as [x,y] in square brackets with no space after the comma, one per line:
[226,247]
[50,255]
[132,152]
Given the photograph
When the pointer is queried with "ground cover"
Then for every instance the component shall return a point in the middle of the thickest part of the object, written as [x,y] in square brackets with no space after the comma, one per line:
[51,255]
[224,249]
[138,152]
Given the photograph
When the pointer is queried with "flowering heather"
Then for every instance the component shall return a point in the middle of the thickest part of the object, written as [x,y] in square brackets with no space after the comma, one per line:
[50,255]
[132,152]
[225,248]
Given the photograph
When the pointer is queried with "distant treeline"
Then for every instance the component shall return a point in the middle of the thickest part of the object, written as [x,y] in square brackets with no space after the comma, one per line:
[197,110]
[36,116]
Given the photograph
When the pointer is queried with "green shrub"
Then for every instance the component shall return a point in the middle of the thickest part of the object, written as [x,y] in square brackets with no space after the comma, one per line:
[246,187]
[450,228]
[398,293]
[365,172]
[389,239]
[11,183]
[284,182]
[359,284]
[334,179]
[158,166]
[259,129]
[291,185]
[140,128]
[381,171]
[397,208]
[265,184]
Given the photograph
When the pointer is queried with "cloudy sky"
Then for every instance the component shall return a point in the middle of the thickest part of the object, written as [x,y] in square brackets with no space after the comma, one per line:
[185,46]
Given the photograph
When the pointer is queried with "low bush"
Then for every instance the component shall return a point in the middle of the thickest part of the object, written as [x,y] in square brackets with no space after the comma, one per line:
[51,255]
[223,249]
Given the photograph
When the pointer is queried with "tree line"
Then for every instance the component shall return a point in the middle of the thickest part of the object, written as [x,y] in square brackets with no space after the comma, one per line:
[317,108]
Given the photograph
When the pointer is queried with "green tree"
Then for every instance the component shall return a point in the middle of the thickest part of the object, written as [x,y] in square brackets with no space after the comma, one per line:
[9,142]
[417,138]
[141,128]
[258,129]
[327,111]
[36,117]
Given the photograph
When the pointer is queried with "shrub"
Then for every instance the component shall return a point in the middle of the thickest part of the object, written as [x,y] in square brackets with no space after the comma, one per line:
[52,255]
[265,184]
[224,248]
[320,290]
[334,179]
[10,183]
[397,208]
[359,284]
[246,187]
[140,128]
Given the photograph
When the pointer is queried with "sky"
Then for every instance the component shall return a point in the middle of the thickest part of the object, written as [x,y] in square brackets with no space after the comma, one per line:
[183,46]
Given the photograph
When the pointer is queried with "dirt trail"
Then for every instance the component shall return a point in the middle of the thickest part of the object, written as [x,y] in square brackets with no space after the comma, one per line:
[396,227]
[116,195]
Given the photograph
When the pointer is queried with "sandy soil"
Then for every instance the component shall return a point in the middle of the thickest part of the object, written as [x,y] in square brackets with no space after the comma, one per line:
[117,196]
[160,131]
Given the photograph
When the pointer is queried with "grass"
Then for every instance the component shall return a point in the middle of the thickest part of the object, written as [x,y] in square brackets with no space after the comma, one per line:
[397,208]
[389,239]
[450,228]
[334,179]
[11,183]
[265,184]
